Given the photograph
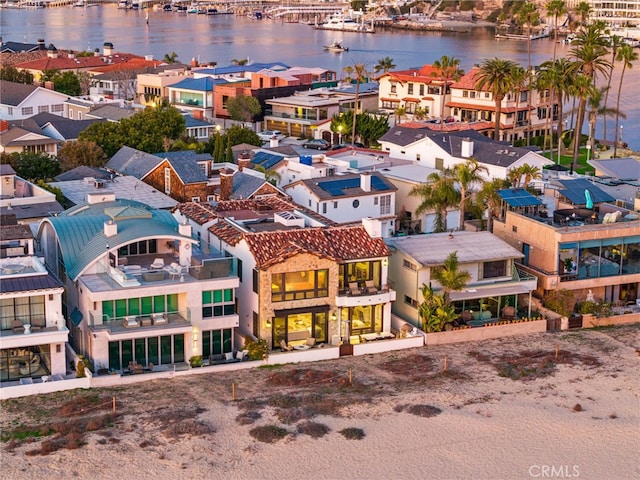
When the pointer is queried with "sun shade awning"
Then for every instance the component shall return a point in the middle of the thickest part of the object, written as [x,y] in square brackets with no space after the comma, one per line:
[489,291]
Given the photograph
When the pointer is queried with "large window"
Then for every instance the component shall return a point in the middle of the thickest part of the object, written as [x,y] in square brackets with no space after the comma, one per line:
[117,309]
[494,269]
[363,319]
[299,285]
[216,341]
[600,258]
[139,248]
[295,326]
[216,303]
[26,309]
[157,350]
[360,272]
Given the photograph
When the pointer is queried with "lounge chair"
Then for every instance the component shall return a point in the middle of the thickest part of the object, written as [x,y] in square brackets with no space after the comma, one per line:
[157,264]
[354,289]
[174,269]
[370,286]
[311,341]
[17,326]
[284,347]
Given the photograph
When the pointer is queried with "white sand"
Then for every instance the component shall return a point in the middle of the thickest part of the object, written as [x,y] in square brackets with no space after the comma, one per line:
[490,428]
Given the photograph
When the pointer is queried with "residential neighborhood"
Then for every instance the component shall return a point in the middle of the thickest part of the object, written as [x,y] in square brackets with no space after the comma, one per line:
[206,228]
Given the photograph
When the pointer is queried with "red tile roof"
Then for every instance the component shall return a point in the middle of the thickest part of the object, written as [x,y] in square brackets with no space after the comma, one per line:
[468,81]
[76,63]
[336,243]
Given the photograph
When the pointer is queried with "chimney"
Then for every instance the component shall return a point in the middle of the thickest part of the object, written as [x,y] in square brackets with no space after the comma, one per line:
[107,48]
[226,183]
[273,142]
[96,52]
[48,85]
[244,159]
[194,62]
[365,181]
[184,229]
[4,126]
[110,228]
[41,44]
[467,147]
[198,114]
[52,51]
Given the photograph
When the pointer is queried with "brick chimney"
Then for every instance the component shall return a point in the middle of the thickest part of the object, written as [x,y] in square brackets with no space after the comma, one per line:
[48,85]
[244,159]
[4,126]
[226,183]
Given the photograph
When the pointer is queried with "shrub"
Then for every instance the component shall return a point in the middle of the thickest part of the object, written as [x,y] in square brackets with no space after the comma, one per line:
[195,361]
[352,433]
[313,429]
[560,301]
[257,349]
[80,373]
[268,433]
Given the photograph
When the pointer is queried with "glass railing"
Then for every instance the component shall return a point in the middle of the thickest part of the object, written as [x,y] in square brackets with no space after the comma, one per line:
[139,320]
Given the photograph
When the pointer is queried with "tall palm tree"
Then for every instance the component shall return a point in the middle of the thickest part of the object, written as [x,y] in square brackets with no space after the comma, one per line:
[555,8]
[528,16]
[240,61]
[466,175]
[557,76]
[437,194]
[588,52]
[583,10]
[521,176]
[495,75]
[581,88]
[615,42]
[627,56]
[359,73]
[384,65]
[447,70]
[170,57]
[597,108]
[519,80]
[450,276]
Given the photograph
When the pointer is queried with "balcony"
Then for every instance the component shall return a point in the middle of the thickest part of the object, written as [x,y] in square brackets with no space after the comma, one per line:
[361,294]
[143,323]
[311,117]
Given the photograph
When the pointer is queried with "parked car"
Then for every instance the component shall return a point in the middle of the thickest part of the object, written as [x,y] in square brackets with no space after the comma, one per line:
[317,143]
[267,135]
[338,146]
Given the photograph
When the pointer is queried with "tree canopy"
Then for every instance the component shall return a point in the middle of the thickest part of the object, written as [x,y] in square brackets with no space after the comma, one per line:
[243,108]
[66,82]
[75,154]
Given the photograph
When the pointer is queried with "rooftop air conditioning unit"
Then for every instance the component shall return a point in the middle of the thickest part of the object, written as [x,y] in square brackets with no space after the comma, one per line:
[98,184]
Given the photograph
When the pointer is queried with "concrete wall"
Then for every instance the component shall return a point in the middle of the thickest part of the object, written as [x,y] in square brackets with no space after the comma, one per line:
[487,332]
[589,321]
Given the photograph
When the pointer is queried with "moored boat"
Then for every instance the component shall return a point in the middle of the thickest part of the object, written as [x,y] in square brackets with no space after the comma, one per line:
[336,47]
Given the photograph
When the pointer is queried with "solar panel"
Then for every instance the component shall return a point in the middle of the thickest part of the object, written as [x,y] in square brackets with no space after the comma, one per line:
[574,191]
[519,198]
[378,184]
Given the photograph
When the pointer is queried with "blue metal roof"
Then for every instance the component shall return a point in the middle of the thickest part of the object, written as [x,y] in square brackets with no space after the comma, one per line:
[254,67]
[80,230]
[204,84]
[519,197]
[574,191]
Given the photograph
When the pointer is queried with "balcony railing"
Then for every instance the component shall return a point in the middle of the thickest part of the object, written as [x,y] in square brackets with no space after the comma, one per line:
[311,116]
[118,324]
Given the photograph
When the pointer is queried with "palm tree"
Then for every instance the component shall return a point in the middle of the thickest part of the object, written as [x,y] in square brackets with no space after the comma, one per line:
[555,8]
[627,56]
[450,277]
[447,70]
[466,175]
[495,75]
[488,197]
[360,73]
[438,194]
[240,61]
[557,76]
[583,10]
[581,88]
[525,170]
[597,108]
[615,42]
[588,52]
[170,57]
[384,65]
[528,15]
[519,78]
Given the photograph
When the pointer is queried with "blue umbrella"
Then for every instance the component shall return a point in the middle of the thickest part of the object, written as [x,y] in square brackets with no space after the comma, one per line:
[587,195]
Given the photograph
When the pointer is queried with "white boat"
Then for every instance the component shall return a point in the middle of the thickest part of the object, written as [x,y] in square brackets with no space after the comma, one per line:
[123,4]
[345,23]
[336,47]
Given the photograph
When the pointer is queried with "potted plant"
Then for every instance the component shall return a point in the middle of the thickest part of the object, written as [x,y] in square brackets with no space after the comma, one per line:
[195,361]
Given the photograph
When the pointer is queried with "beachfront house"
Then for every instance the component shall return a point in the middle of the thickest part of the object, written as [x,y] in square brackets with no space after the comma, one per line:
[495,280]
[139,291]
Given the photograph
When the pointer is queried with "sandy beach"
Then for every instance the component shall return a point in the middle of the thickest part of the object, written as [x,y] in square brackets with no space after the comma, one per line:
[562,405]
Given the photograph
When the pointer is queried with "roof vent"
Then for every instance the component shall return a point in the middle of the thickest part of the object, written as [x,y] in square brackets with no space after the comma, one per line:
[98,184]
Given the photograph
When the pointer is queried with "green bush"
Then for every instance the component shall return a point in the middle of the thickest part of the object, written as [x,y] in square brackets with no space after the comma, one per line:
[560,301]
[195,361]
[258,349]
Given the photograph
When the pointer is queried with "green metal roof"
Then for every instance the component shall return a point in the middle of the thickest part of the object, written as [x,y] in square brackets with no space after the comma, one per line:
[80,230]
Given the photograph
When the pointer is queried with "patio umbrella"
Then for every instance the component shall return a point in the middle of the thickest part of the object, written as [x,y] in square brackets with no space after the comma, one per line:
[589,199]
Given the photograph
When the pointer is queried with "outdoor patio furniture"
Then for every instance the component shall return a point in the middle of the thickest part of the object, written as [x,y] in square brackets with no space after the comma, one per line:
[508,313]
[159,319]
[158,263]
[17,326]
[354,289]
[311,341]
[371,288]
[130,322]
[284,347]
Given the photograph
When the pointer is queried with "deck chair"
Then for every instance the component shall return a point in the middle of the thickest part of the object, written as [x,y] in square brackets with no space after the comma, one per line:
[354,289]
[284,347]
[311,341]
[157,264]
[371,288]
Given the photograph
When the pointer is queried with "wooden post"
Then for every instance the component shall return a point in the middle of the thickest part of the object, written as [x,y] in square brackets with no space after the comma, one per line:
[113,404]
[444,369]
[350,376]
[233,392]
[557,347]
